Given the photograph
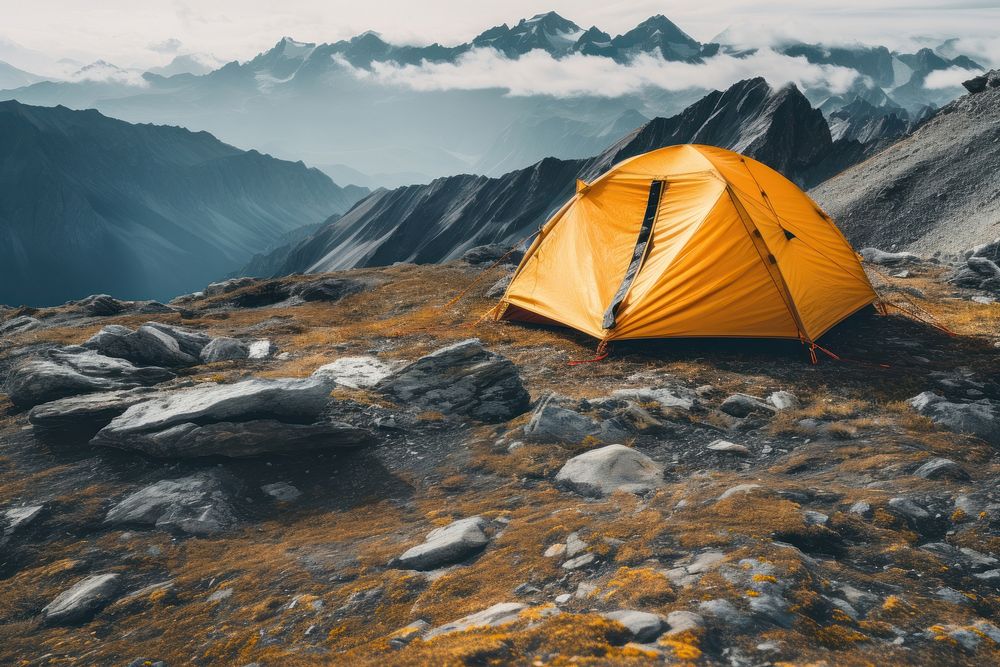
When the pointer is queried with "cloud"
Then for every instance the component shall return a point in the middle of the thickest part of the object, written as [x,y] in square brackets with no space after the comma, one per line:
[947,78]
[103,72]
[538,73]
[171,45]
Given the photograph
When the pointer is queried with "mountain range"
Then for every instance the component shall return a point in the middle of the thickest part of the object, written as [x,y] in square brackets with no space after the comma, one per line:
[92,204]
[441,220]
[331,105]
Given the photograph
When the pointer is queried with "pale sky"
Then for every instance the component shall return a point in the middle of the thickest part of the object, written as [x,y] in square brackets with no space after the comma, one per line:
[145,33]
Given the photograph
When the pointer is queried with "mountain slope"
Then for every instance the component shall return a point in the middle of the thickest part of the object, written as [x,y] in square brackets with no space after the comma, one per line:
[439,221]
[92,204]
[937,189]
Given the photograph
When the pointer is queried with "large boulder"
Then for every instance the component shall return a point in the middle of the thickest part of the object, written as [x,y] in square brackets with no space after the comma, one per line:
[980,418]
[448,544]
[101,305]
[246,418]
[84,599]
[74,370]
[152,344]
[195,505]
[603,471]
[19,324]
[463,379]
[978,84]
[491,253]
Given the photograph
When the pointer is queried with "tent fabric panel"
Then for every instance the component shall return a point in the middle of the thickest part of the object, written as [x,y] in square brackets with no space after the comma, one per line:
[580,259]
[735,296]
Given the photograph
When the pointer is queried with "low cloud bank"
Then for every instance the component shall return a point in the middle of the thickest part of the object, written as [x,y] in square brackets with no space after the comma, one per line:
[538,73]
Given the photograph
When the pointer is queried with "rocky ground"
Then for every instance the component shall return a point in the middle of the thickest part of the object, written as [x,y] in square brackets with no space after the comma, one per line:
[341,469]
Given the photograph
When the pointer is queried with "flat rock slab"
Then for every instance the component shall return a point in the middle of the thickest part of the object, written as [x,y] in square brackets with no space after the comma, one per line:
[448,544]
[669,396]
[16,518]
[499,614]
[74,370]
[463,379]
[361,372]
[195,505]
[641,625]
[240,439]
[603,471]
[82,600]
[296,400]
[87,410]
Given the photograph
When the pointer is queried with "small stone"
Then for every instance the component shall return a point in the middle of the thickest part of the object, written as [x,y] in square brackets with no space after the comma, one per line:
[15,518]
[574,545]
[261,349]
[684,621]
[728,447]
[220,595]
[813,518]
[555,551]
[705,561]
[641,625]
[282,491]
[579,561]
[407,634]
[82,600]
[941,468]
[448,544]
[783,400]
[862,508]
[497,615]
[744,405]
[738,489]
[564,598]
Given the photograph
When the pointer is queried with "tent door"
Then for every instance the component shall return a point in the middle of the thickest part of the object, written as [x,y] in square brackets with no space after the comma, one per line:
[642,244]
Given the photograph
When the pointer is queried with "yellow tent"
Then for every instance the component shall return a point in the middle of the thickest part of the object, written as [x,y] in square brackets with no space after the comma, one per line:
[689,241]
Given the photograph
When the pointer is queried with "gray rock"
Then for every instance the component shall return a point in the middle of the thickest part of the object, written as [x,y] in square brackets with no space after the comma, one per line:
[497,615]
[814,518]
[580,561]
[261,349]
[551,422]
[74,370]
[19,324]
[227,286]
[739,489]
[84,599]
[986,268]
[744,405]
[239,439]
[916,515]
[407,634]
[223,419]
[667,396]
[448,544]
[783,400]
[493,252]
[603,471]
[224,349]
[355,372]
[87,411]
[684,621]
[862,508]
[498,288]
[574,545]
[876,256]
[152,344]
[727,447]
[941,468]
[16,518]
[327,289]
[724,610]
[195,505]
[978,84]
[772,607]
[282,491]
[147,662]
[461,379]
[641,625]
[102,305]
[980,418]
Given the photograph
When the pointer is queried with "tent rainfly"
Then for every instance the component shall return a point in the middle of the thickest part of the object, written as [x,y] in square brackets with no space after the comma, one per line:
[689,241]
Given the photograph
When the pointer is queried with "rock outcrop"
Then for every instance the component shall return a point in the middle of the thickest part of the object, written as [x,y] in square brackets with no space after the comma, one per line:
[464,380]
[195,505]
